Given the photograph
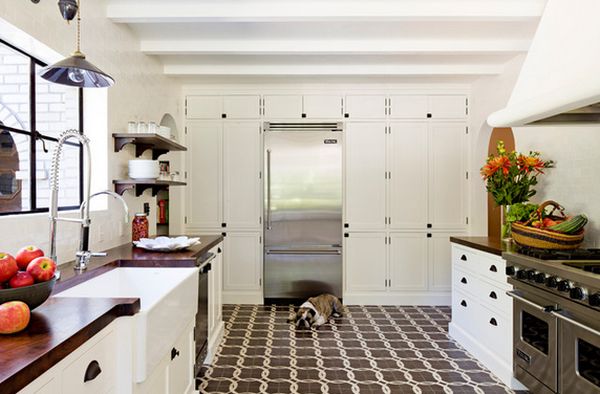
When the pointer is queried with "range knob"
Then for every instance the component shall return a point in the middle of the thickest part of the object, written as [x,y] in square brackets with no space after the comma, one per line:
[540,277]
[510,270]
[521,274]
[531,274]
[577,293]
[564,285]
[594,299]
[552,282]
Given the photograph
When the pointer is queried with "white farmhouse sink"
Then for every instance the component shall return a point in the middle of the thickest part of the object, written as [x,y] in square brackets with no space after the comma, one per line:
[169,300]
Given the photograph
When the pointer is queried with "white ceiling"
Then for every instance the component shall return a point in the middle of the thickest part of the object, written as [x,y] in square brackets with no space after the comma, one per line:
[438,39]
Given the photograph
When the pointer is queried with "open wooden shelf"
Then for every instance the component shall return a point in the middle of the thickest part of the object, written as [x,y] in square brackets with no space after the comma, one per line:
[140,185]
[158,144]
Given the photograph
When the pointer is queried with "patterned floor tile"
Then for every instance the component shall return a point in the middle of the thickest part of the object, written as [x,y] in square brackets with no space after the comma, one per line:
[372,349]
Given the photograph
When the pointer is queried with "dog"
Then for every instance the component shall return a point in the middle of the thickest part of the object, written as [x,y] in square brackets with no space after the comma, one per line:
[317,310]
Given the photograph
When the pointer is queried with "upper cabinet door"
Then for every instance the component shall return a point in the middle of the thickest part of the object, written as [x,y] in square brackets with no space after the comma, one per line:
[241,106]
[365,176]
[448,107]
[408,163]
[408,107]
[204,107]
[204,199]
[241,180]
[322,106]
[283,107]
[365,256]
[408,261]
[365,107]
[447,175]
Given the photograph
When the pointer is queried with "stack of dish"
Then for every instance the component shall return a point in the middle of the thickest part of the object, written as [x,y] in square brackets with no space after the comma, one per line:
[144,169]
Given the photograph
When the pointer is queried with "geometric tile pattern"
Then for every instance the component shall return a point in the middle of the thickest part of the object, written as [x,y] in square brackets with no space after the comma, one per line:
[371,349]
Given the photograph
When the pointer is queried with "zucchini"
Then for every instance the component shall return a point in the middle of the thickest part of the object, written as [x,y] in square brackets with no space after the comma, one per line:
[570,226]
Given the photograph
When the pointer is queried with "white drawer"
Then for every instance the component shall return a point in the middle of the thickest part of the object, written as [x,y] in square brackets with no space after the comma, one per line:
[494,269]
[464,258]
[494,297]
[496,333]
[464,310]
[464,281]
[104,354]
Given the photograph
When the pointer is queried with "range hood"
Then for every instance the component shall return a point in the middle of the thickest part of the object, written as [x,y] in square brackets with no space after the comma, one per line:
[559,82]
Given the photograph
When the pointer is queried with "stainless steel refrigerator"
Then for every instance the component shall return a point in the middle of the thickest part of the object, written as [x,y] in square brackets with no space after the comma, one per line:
[303,210]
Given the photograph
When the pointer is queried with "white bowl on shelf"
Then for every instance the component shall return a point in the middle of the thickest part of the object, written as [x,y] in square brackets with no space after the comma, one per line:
[144,169]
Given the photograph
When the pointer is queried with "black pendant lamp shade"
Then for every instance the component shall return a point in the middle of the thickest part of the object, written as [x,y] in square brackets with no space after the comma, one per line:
[75,70]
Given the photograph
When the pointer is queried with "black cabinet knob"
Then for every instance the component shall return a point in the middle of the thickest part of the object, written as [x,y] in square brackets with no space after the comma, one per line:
[174,353]
[463,280]
[346,115]
[223,116]
[429,115]
[493,295]
[493,322]
[92,371]
[304,115]
[463,303]
[463,257]
[493,268]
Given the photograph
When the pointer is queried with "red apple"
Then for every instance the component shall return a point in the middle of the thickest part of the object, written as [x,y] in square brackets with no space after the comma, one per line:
[21,279]
[26,255]
[42,269]
[8,267]
[14,317]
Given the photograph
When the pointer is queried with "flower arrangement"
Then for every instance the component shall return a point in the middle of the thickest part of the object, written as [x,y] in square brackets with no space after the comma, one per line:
[510,176]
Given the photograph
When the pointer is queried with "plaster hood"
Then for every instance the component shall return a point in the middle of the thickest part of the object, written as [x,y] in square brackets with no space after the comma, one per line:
[559,82]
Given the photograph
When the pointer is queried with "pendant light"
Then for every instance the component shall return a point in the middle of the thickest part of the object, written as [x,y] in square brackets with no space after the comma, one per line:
[76,70]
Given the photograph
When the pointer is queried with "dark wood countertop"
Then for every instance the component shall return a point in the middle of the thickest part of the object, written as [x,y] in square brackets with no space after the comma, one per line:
[491,245]
[61,325]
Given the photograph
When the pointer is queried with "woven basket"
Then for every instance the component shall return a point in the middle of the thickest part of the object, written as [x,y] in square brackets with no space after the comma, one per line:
[544,239]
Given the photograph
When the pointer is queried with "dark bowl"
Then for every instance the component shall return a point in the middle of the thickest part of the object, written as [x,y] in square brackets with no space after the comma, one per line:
[33,295]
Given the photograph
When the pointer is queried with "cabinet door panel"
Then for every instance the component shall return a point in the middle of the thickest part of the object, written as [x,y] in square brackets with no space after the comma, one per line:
[322,106]
[448,107]
[365,106]
[241,106]
[447,175]
[440,262]
[241,169]
[242,261]
[204,107]
[408,107]
[408,261]
[283,106]
[408,162]
[204,200]
[181,368]
[365,257]
[365,176]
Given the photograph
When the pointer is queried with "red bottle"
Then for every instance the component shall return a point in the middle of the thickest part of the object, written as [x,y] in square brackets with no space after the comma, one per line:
[139,227]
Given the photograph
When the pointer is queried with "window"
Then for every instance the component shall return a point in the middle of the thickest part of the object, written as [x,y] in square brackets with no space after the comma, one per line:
[33,113]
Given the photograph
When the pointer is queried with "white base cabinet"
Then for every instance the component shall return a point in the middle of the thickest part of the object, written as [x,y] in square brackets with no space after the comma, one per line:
[215,303]
[242,268]
[482,319]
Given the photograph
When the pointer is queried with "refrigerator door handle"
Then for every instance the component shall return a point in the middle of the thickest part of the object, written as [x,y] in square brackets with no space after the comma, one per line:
[334,252]
[269,224]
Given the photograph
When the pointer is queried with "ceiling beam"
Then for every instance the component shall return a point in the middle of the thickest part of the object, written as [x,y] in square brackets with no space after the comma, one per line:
[176,11]
[334,47]
[362,70]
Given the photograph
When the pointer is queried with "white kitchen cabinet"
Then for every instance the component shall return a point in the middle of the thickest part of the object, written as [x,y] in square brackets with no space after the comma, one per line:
[365,256]
[242,267]
[437,107]
[408,256]
[180,372]
[365,162]
[440,261]
[205,179]
[242,149]
[322,106]
[241,106]
[365,107]
[447,175]
[408,106]
[408,162]
[448,107]
[282,106]
[204,107]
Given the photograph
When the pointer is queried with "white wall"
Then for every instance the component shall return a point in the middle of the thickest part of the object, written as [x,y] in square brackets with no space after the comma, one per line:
[141,91]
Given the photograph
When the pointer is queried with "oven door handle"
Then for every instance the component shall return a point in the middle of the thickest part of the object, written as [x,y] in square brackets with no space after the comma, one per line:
[532,304]
[575,323]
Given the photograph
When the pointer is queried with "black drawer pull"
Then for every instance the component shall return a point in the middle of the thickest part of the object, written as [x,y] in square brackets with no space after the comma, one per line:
[493,268]
[463,257]
[92,371]
[463,303]
[174,353]
[463,280]
[493,322]
[493,295]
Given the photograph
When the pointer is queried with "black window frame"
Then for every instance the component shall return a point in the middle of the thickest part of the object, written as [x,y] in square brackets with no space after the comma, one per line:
[34,135]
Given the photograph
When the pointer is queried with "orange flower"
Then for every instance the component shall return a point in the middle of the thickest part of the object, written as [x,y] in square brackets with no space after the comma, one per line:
[530,163]
[494,164]
[502,163]
[488,170]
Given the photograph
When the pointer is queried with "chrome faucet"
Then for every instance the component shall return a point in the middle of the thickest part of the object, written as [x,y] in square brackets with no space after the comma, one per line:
[83,255]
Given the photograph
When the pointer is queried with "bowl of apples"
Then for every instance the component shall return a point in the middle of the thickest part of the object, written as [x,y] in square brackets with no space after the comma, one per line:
[29,277]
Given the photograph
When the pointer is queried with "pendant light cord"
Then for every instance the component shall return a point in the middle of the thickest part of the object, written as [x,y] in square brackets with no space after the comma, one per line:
[78,26]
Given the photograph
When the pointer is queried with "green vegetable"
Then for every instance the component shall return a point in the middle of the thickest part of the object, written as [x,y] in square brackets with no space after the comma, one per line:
[521,212]
[570,226]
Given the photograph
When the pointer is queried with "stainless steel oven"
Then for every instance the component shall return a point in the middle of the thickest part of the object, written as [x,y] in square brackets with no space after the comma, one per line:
[201,328]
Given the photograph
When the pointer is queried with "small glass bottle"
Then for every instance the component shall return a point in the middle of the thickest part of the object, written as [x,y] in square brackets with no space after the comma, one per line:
[139,227]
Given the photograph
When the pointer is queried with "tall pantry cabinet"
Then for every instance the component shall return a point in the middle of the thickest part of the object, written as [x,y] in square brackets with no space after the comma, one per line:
[224,186]
[405,194]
